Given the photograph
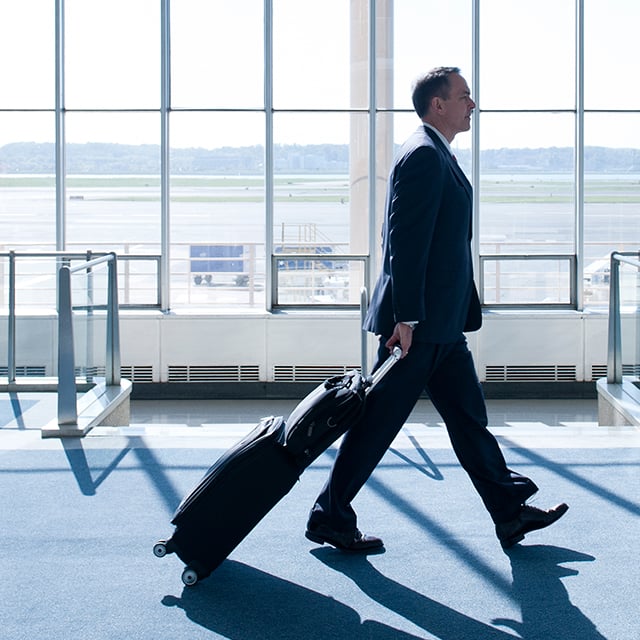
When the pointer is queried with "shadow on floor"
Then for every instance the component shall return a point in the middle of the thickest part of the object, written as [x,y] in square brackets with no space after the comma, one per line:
[547,612]
[240,602]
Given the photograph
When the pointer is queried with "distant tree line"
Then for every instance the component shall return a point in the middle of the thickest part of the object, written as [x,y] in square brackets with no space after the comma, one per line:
[105,158]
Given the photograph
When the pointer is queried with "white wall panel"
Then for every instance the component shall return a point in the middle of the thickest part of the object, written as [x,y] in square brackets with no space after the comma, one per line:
[596,337]
[36,343]
[540,339]
[313,341]
[264,342]
[212,341]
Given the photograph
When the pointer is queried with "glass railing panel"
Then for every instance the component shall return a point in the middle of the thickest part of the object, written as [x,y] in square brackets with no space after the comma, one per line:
[624,322]
[36,286]
[629,281]
[522,280]
[88,330]
[89,295]
[310,281]
[227,274]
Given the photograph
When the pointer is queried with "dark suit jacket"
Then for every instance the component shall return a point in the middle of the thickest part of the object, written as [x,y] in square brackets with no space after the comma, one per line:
[427,269]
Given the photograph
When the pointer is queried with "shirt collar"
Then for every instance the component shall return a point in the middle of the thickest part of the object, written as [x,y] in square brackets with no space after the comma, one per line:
[444,140]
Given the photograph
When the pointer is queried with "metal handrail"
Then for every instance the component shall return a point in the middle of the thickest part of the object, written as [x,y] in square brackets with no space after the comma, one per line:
[614,350]
[67,391]
[68,256]
[64,257]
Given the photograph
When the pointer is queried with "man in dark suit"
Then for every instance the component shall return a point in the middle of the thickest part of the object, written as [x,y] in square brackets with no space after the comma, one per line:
[424,300]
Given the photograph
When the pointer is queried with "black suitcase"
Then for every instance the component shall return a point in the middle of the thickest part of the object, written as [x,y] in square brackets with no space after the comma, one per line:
[255,474]
[232,497]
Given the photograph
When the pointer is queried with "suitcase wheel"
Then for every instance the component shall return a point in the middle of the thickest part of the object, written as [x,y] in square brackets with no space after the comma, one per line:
[189,576]
[160,549]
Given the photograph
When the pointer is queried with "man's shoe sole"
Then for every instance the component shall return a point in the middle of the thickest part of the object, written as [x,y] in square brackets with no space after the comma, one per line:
[316,538]
[362,548]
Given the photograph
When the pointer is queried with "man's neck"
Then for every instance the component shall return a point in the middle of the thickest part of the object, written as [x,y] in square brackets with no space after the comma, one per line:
[439,133]
[447,136]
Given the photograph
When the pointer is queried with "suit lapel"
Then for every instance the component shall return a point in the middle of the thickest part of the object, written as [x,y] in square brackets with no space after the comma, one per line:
[460,175]
[458,172]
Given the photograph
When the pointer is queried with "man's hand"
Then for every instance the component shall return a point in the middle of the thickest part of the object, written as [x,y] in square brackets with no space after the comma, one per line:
[402,335]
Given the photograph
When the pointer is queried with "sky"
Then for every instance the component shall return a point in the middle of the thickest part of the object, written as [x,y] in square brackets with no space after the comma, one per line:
[527,61]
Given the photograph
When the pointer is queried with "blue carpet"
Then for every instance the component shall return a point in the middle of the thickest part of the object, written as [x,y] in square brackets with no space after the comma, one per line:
[79,524]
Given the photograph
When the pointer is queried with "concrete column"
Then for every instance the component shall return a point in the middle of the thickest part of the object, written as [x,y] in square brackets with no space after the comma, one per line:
[362,97]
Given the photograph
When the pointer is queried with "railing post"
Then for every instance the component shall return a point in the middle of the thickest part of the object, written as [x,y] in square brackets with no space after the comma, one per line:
[11,320]
[112,373]
[614,351]
[67,408]
[364,356]
[89,368]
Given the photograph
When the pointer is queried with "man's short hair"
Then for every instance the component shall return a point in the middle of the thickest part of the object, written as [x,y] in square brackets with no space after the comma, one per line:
[434,83]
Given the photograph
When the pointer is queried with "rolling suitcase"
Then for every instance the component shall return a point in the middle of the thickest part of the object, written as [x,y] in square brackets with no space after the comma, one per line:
[232,497]
[256,473]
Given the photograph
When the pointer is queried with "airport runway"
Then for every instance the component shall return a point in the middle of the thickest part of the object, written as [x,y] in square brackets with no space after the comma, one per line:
[518,214]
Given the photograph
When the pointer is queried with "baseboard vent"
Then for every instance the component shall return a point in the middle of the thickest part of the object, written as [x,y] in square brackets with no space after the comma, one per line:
[308,373]
[36,371]
[530,373]
[134,373]
[137,373]
[600,370]
[214,373]
[89,372]
[631,370]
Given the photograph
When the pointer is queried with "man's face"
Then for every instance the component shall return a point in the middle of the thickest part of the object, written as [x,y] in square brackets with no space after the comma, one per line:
[455,111]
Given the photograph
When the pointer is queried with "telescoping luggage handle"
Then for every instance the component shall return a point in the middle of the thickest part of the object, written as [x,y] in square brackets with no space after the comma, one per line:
[396,352]
[382,370]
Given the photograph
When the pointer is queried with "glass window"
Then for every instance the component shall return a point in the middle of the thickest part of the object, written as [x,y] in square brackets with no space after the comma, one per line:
[27,211]
[611,54]
[27,182]
[527,54]
[398,126]
[112,54]
[311,55]
[113,182]
[425,34]
[322,165]
[527,184]
[27,51]
[217,54]
[392,130]
[217,209]
[612,196]
[321,198]
[113,194]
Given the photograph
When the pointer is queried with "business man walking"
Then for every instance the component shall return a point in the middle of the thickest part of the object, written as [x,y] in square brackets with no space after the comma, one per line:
[424,300]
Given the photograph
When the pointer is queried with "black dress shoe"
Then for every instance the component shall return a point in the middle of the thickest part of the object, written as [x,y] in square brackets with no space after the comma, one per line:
[529,519]
[358,543]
